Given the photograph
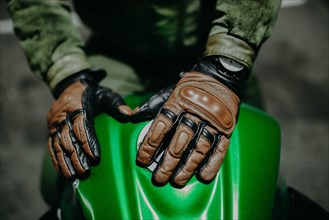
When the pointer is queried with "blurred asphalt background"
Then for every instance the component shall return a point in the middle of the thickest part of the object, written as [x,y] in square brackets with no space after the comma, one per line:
[293,70]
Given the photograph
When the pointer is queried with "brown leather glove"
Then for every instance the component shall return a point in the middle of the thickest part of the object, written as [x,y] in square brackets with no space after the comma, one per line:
[192,129]
[73,144]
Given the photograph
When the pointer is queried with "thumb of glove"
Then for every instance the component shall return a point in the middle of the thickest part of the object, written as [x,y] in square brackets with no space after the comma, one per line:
[151,108]
[112,104]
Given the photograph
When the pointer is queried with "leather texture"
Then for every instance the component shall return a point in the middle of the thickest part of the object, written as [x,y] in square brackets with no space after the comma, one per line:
[192,129]
[73,144]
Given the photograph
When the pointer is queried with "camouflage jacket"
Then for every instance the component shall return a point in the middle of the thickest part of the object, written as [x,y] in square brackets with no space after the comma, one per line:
[156,29]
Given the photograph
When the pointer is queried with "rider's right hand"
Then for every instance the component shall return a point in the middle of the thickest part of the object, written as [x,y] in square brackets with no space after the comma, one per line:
[73,145]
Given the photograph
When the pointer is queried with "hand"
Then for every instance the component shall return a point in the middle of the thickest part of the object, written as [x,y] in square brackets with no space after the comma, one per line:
[73,144]
[193,129]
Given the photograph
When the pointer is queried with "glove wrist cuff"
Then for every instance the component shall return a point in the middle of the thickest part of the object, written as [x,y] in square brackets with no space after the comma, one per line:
[88,76]
[234,80]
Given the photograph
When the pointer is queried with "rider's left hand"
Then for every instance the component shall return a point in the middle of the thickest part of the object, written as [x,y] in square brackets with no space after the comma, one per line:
[193,127]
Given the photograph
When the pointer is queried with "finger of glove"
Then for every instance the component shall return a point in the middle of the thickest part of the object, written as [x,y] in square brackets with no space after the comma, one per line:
[210,170]
[180,141]
[64,163]
[51,150]
[75,152]
[86,137]
[83,126]
[202,147]
[151,143]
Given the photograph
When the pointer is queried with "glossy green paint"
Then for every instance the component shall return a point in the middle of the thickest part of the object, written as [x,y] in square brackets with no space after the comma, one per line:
[244,188]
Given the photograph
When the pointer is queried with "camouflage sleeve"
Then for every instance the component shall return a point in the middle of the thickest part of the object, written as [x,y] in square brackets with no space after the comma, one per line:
[240,27]
[52,45]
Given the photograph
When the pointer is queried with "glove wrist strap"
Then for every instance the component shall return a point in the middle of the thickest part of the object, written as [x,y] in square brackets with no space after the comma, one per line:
[88,76]
[232,79]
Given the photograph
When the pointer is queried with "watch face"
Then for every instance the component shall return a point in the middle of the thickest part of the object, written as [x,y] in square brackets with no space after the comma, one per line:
[231,65]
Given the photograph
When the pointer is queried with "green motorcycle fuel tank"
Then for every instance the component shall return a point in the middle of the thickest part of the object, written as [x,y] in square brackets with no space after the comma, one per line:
[246,186]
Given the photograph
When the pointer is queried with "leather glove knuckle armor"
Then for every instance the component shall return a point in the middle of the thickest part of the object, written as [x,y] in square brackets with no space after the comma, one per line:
[192,130]
[73,144]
